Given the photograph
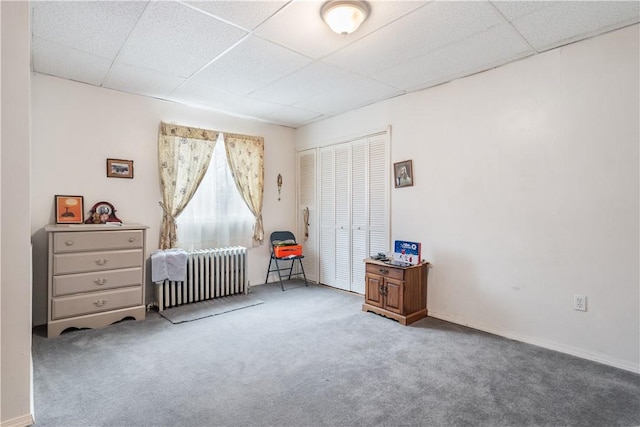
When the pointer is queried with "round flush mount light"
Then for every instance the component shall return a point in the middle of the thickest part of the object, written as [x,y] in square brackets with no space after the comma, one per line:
[343,16]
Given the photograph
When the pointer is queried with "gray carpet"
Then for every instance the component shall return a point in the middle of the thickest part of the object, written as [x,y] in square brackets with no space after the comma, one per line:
[310,357]
[213,307]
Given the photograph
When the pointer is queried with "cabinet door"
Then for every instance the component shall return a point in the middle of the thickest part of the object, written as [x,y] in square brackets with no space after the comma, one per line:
[372,293]
[393,295]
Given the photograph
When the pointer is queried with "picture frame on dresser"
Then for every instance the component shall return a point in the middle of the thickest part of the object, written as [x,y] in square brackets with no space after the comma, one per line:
[69,209]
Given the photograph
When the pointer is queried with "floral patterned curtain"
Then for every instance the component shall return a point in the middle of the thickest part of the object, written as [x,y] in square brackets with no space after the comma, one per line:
[183,157]
[246,161]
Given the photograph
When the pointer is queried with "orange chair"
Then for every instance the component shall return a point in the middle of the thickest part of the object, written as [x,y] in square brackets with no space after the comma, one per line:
[282,258]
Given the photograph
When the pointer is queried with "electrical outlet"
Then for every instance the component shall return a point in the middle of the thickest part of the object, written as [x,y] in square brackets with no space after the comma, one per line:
[580,302]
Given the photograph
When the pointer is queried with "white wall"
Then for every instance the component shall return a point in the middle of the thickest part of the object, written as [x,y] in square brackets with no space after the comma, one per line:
[76,127]
[15,250]
[526,193]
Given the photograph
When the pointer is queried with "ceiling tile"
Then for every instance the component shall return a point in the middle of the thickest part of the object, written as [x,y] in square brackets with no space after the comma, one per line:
[61,61]
[290,116]
[300,27]
[488,49]
[566,22]
[194,93]
[95,27]
[245,14]
[348,97]
[250,65]
[515,9]
[304,83]
[175,39]
[130,79]
[424,30]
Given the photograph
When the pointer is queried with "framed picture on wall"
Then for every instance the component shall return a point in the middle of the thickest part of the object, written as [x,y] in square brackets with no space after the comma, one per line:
[69,209]
[117,168]
[403,173]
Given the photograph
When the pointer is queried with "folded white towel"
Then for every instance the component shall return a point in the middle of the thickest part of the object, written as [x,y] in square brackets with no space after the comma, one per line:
[176,264]
[158,266]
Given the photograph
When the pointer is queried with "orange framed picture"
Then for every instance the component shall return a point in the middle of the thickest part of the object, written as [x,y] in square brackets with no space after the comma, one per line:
[69,209]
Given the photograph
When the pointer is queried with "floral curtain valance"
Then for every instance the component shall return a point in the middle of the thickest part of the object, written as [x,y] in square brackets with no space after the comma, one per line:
[187,132]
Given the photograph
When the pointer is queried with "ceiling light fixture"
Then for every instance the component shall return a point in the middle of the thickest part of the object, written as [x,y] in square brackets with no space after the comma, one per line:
[343,16]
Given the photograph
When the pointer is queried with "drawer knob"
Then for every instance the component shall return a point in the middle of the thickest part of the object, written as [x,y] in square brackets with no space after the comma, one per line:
[100,302]
[102,261]
[132,239]
[384,271]
[69,242]
[100,281]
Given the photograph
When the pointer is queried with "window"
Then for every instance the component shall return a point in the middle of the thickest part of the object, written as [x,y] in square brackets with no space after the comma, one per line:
[216,216]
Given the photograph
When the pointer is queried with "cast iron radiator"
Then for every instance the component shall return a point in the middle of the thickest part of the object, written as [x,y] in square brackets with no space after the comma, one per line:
[211,273]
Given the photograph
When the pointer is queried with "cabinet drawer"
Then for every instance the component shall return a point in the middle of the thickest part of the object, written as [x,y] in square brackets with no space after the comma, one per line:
[392,272]
[96,261]
[95,302]
[96,281]
[96,240]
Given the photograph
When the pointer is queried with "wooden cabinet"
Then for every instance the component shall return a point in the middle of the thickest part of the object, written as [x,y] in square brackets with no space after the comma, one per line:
[96,275]
[399,293]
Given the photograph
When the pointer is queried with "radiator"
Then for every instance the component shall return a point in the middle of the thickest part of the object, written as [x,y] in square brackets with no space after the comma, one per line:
[211,273]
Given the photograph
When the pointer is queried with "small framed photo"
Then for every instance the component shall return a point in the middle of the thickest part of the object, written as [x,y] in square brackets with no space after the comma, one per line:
[403,173]
[69,209]
[117,168]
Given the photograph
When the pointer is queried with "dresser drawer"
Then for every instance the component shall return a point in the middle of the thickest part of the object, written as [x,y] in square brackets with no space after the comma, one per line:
[96,281]
[96,261]
[97,240]
[95,302]
[392,272]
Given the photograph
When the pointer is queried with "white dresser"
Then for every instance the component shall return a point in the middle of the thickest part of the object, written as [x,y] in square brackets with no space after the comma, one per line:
[96,275]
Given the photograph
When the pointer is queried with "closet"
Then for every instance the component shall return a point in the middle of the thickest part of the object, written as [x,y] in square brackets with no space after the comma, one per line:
[352,188]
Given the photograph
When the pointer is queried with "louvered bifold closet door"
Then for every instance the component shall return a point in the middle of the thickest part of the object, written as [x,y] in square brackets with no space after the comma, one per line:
[353,209]
[327,223]
[379,194]
[307,200]
[342,215]
[359,214]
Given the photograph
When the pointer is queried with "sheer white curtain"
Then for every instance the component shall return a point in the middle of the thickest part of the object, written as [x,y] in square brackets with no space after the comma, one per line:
[216,216]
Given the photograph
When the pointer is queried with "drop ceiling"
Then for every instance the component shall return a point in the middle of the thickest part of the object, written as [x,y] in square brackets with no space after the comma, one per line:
[278,62]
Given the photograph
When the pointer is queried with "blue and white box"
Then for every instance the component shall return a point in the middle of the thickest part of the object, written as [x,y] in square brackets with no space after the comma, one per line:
[408,252]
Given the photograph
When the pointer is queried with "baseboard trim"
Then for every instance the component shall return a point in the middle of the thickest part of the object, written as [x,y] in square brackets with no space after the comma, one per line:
[23,421]
[600,358]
